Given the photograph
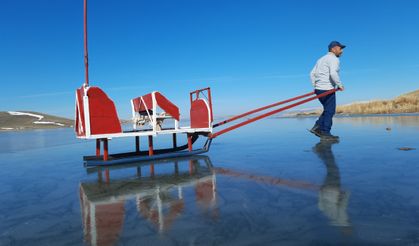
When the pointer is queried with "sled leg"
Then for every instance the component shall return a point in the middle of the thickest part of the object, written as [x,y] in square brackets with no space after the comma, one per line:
[174,140]
[137,144]
[150,146]
[105,149]
[97,147]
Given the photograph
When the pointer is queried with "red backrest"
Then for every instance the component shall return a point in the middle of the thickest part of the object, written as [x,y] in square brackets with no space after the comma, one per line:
[139,105]
[200,114]
[167,106]
[103,116]
[164,103]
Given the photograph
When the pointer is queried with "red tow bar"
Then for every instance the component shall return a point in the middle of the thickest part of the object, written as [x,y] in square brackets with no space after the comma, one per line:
[214,135]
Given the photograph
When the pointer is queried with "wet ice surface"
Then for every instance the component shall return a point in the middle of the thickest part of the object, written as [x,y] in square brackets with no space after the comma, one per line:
[269,183]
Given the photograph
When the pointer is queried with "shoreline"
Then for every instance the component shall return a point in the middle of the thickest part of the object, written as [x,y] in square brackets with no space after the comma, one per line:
[276,117]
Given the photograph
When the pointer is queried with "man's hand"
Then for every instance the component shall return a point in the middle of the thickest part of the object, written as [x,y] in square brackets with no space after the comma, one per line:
[341,88]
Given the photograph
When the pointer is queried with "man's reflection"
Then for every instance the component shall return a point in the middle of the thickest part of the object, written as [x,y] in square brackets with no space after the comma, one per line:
[333,201]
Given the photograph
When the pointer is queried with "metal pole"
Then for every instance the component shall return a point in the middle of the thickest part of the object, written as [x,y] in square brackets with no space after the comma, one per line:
[210,103]
[105,149]
[86,56]
[150,146]
[137,144]
[97,147]
[174,140]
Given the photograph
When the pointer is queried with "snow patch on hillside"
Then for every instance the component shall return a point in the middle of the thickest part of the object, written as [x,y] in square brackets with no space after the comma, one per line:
[40,117]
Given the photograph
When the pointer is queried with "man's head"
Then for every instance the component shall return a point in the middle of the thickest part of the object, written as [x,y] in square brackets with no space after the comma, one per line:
[336,48]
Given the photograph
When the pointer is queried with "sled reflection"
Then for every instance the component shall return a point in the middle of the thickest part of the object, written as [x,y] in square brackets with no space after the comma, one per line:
[158,188]
[158,194]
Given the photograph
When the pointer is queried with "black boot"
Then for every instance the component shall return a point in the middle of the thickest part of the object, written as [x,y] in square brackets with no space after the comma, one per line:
[315,128]
[316,132]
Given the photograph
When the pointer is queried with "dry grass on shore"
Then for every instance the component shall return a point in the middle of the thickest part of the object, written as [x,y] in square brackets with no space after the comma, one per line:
[406,103]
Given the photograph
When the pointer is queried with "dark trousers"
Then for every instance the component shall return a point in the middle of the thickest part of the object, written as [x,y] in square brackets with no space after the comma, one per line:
[329,109]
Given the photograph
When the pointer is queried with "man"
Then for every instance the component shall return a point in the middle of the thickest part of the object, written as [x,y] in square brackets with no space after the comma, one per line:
[325,76]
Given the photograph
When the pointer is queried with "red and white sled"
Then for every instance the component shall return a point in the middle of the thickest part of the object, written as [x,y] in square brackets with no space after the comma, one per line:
[97,118]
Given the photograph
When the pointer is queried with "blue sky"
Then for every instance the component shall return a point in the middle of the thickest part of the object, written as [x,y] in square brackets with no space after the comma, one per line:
[250,52]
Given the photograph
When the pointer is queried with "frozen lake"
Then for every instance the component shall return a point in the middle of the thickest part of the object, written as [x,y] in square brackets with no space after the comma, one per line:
[269,183]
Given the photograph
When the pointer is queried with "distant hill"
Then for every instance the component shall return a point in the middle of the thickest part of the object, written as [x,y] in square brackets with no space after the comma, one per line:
[405,103]
[23,120]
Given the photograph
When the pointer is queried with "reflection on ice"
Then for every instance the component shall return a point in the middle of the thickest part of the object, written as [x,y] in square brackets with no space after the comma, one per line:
[160,200]
[406,120]
[333,201]
[159,197]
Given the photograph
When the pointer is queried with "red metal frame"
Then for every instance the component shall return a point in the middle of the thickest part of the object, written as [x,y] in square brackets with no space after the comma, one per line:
[105,149]
[214,135]
[97,147]
[150,146]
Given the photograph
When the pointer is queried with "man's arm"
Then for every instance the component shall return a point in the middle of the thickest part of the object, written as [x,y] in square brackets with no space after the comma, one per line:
[334,73]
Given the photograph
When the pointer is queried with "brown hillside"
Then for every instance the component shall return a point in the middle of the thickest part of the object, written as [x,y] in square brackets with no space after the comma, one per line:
[406,103]
[10,122]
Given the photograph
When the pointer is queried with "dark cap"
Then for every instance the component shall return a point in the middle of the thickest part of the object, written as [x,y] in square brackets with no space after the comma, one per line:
[336,43]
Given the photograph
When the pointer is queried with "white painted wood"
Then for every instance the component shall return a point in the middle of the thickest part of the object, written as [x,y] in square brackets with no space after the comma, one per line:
[147,133]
